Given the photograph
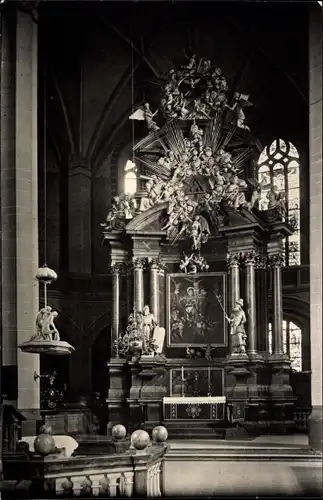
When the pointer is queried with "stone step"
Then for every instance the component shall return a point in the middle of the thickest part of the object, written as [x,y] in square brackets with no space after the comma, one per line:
[219,449]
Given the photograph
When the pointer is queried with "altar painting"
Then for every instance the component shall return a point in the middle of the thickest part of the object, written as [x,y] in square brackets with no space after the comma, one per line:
[196,309]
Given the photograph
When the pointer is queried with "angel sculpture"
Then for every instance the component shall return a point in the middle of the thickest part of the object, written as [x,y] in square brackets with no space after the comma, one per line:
[256,193]
[46,329]
[199,231]
[145,113]
[240,101]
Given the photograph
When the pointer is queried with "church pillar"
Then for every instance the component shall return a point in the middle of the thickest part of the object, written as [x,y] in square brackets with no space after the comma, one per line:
[19,207]
[79,216]
[115,308]
[250,261]
[316,216]
[27,204]
[8,203]
[154,290]
[234,273]
[138,269]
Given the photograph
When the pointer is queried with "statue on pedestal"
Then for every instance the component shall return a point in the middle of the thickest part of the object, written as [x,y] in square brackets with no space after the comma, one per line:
[148,322]
[46,329]
[237,330]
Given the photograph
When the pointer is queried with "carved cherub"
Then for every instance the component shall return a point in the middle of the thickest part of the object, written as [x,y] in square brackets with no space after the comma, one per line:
[184,263]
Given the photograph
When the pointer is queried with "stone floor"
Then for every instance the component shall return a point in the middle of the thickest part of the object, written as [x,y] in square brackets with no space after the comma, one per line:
[266,465]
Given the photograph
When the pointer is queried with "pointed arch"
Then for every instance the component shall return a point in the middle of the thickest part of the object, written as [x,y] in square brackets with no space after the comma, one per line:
[278,165]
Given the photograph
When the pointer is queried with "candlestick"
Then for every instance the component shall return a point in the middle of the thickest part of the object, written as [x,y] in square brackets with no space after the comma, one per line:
[182,373]
[209,380]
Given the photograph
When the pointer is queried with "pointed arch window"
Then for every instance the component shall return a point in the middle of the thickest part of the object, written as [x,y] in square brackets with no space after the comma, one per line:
[278,166]
[292,343]
[130,177]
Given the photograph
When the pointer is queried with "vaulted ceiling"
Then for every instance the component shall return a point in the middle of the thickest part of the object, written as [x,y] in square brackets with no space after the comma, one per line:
[103,58]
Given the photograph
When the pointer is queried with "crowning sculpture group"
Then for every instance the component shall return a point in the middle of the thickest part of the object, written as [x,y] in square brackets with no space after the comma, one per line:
[193,173]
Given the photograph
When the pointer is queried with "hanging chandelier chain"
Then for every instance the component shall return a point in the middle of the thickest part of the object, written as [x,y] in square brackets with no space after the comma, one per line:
[132,99]
[45,166]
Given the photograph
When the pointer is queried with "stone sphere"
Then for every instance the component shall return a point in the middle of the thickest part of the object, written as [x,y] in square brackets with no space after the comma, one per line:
[44,444]
[140,439]
[118,432]
[159,434]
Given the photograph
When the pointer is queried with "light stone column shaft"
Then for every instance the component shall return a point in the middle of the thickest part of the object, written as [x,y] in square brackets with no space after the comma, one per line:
[277,324]
[251,303]
[234,274]
[154,291]
[115,306]
[138,284]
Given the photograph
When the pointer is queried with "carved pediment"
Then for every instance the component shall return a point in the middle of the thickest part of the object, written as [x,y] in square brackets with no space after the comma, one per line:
[150,220]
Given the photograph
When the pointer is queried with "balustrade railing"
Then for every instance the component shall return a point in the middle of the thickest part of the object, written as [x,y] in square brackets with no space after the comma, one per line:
[135,472]
[301,416]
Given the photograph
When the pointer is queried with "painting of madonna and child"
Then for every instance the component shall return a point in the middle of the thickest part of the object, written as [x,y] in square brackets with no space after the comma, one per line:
[196,307]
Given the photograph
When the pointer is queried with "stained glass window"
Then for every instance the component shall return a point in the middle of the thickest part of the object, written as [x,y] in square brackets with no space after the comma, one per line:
[292,343]
[130,177]
[278,166]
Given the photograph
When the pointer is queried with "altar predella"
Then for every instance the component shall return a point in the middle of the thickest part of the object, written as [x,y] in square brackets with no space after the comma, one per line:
[188,161]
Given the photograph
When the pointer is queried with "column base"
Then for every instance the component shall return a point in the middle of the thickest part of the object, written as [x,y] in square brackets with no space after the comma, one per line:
[315,429]
[281,393]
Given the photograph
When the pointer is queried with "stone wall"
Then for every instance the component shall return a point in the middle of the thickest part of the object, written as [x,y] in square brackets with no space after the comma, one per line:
[315,98]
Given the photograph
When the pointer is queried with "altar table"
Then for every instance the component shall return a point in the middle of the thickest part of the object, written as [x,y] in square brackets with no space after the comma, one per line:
[195,408]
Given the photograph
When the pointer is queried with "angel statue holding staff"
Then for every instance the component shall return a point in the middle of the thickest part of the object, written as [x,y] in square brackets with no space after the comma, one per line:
[237,321]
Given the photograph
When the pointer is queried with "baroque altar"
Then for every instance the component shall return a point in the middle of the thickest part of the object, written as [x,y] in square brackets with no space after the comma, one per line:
[190,257]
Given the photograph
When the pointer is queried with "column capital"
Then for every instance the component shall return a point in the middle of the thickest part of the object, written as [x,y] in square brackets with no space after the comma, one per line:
[116,268]
[261,261]
[233,259]
[139,263]
[156,264]
[121,268]
[249,258]
[276,260]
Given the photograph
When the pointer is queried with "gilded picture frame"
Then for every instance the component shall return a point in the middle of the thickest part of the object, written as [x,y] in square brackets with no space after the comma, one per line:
[195,310]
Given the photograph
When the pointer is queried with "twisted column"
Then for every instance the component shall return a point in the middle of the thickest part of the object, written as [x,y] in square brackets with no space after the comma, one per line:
[250,262]
[154,289]
[138,270]
[275,263]
[234,272]
[116,269]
